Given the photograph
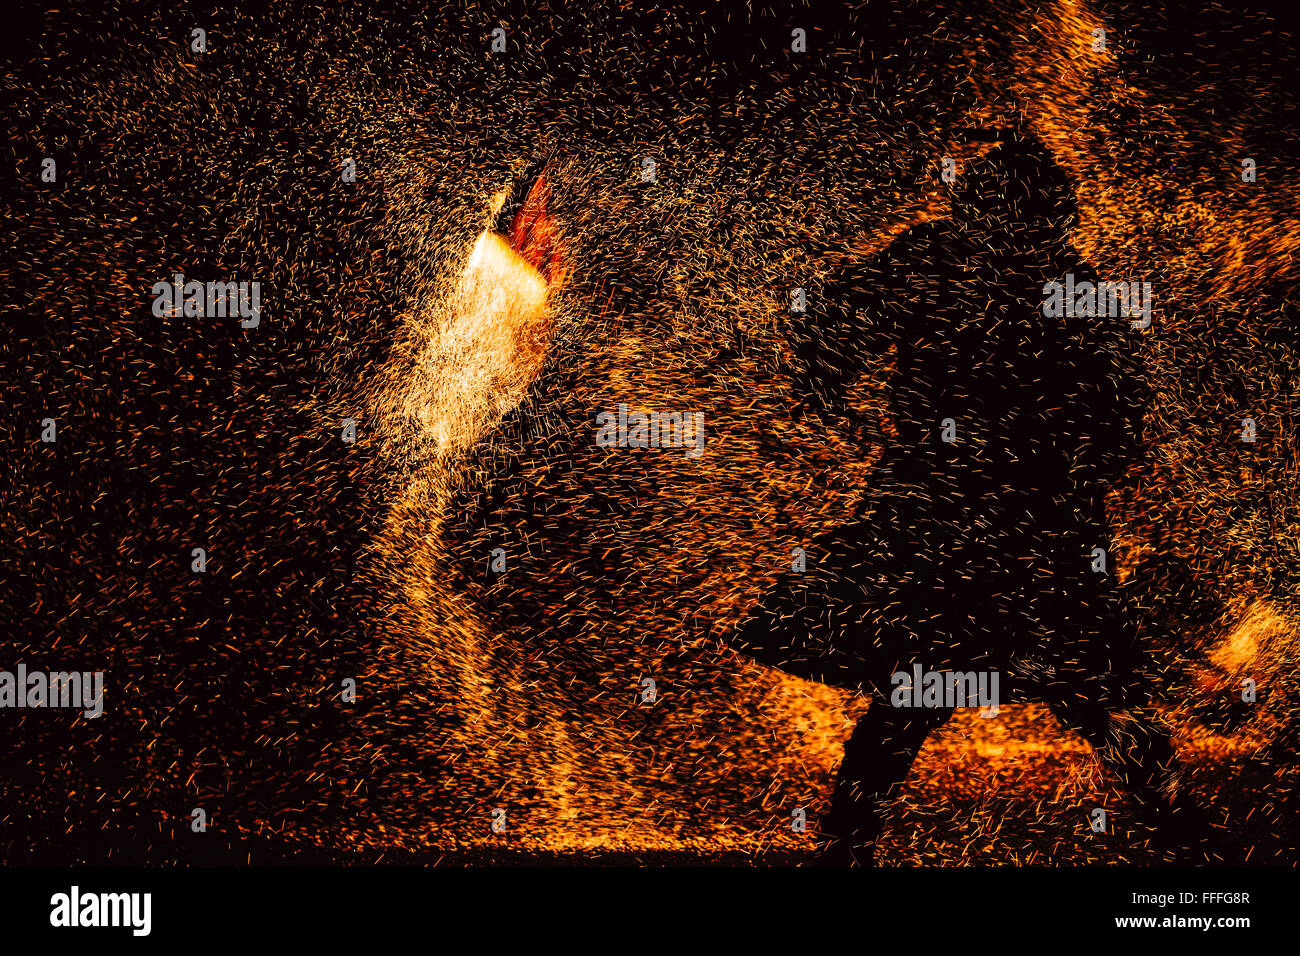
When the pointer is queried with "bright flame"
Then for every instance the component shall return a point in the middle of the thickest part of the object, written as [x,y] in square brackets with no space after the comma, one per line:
[1241,649]
[492,347]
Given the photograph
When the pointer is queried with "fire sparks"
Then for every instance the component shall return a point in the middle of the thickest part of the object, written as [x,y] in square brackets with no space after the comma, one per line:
[496,583]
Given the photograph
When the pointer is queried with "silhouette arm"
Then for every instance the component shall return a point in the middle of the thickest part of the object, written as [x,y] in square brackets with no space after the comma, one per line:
[854,319]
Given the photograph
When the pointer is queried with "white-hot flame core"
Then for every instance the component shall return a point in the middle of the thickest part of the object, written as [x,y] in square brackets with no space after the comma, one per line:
[491,347]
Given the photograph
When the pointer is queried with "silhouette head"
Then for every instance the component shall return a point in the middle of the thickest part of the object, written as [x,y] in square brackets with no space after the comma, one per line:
[1017,188]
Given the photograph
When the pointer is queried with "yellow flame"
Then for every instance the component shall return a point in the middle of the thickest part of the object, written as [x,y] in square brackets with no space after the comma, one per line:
[491,347]
[1242,647]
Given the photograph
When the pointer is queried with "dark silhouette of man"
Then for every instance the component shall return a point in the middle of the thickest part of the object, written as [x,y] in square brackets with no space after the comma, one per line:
[975,549]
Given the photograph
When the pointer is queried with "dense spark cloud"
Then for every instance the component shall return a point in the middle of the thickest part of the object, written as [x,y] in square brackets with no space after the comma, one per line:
[469,251]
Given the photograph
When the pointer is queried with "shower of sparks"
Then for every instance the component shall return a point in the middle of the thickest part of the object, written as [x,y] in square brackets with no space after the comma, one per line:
[474,362]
